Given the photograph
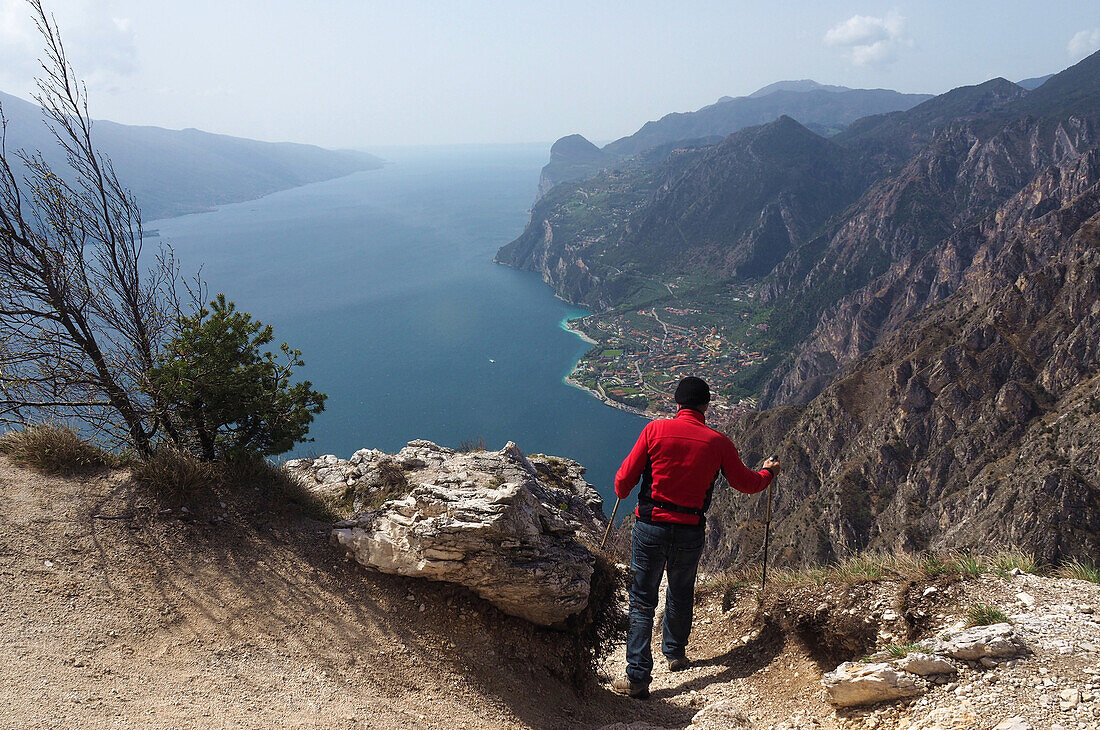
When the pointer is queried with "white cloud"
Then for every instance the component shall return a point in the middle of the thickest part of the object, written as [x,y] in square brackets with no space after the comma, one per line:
[869,41]
[1084,43]
[101,45]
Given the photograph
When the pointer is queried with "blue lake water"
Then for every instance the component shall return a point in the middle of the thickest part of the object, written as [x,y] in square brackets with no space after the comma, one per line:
[384,280]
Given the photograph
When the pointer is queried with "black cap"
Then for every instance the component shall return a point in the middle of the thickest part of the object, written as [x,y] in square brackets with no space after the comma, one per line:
[692,392]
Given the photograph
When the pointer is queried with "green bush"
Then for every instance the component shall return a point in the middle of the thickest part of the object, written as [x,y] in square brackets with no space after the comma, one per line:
[222,396]
[55,450]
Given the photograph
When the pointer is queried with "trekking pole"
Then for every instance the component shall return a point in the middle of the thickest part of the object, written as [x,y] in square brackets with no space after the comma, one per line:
[610,523]
[767,535]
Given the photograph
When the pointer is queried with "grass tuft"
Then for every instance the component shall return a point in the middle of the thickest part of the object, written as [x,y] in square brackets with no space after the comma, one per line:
[982,614]
[900,650]
[1003,562]
[471,445]
[175,476]
[967,563]
[56,449]
[1079,570]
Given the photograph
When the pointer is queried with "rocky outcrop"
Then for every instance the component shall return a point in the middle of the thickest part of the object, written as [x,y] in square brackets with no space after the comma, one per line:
[508,527]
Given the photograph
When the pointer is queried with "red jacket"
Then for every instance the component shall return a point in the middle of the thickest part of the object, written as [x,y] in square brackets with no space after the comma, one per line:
[679,460]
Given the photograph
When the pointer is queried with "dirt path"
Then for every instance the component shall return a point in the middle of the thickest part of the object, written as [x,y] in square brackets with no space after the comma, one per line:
[114,615]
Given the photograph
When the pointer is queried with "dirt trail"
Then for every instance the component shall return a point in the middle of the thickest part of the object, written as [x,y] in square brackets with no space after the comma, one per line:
[115,615]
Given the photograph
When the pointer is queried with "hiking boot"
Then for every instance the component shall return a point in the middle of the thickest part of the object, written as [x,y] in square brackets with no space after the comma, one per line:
[630,688]
[679,664]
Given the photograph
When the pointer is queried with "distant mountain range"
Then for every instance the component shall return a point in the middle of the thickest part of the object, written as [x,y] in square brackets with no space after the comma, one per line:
[930,286]
[824,109]
[176,172]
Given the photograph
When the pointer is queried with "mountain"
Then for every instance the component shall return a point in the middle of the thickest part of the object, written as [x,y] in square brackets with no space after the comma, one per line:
[800,85]
[974,421]
[1034,82]
[824,108]
[926,281]
[175,172]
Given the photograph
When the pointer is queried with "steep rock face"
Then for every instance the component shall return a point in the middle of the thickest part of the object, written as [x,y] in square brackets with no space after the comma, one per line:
[503,525]
[743,206]
[736,208]
[571,158]
[975,423]
[918,220]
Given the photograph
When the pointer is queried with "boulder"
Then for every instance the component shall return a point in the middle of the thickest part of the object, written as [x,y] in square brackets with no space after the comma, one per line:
[853,684]
[925,664]
[996,641]
[503,525]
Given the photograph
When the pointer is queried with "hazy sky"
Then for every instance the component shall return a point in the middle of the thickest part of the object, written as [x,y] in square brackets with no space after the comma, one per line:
[361,73]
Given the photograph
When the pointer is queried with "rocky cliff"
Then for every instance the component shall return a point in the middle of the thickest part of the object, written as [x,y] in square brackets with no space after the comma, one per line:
[976,418]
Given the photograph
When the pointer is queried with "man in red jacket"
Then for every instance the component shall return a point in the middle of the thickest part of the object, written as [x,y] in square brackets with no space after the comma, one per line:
[678,461]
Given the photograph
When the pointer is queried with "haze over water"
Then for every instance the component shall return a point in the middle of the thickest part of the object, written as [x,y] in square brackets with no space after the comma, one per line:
[385,281]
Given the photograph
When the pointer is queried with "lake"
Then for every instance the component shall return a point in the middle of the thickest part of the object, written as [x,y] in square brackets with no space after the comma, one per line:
[385,281]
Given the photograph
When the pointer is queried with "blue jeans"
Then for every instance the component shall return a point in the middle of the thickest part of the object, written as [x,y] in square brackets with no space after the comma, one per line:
[655,549]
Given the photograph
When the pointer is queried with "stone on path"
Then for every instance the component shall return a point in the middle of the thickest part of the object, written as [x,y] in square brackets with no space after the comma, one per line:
[853,684]
[925,664]
[723,715]
[996,641]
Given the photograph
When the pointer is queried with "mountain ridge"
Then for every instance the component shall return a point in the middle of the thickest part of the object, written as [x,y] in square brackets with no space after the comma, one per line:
[175,172]
[825,108]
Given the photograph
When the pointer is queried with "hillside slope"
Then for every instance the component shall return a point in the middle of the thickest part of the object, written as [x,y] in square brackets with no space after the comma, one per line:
[173,172]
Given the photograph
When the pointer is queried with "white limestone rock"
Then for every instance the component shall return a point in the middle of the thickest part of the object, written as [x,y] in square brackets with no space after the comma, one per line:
[1013,723]
[855,684]
[996,641]
[499,523]
[918,662]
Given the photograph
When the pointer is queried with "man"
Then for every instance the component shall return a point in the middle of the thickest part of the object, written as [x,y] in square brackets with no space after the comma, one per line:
[678,461]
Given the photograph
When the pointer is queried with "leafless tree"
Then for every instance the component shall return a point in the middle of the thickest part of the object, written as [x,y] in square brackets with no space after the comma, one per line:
[82,310]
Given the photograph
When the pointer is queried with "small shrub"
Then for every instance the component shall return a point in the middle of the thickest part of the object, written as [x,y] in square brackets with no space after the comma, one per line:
[474,444]
[55,450]
[601,626]
[982,614]
[226,396]
[1080,570]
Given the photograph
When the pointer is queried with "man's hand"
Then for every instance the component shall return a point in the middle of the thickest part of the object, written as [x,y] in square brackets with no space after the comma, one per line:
[772,465]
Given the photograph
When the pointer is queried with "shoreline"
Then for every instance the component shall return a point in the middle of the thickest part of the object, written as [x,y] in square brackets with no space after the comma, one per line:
[568,380]
[566,324]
